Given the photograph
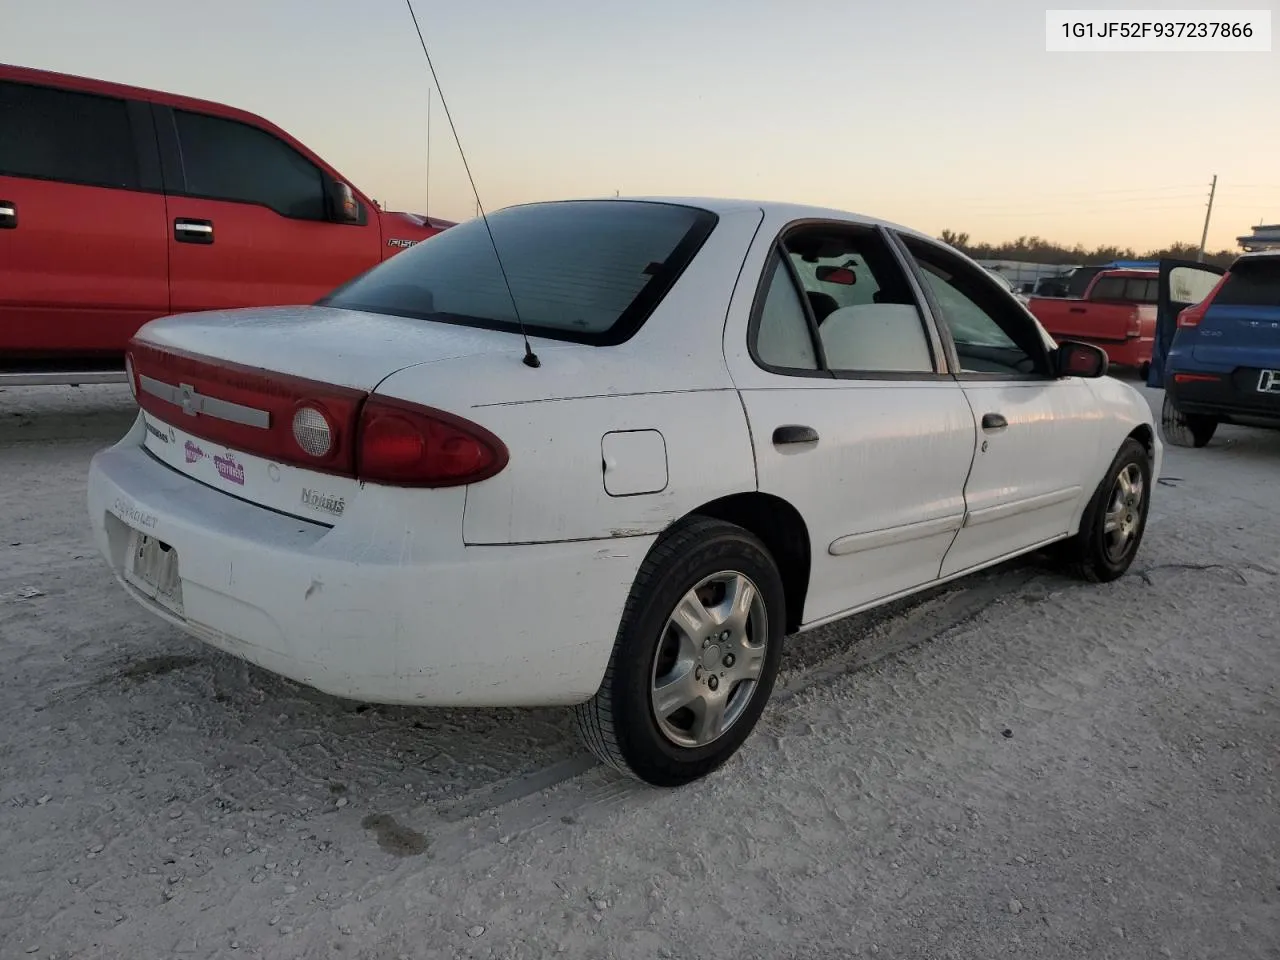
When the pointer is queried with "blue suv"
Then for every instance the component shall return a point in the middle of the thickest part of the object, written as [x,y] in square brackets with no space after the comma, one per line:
[1217,350]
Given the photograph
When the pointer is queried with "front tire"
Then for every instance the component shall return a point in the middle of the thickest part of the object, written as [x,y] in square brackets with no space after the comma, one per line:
[1113,524]
[1185,429]
[695,657]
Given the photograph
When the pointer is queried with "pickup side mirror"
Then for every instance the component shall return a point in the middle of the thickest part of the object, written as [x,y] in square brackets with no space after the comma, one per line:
[1076,359]
[343,205]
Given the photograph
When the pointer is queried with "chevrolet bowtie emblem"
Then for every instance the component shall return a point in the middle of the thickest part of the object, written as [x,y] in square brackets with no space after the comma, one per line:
[190,401]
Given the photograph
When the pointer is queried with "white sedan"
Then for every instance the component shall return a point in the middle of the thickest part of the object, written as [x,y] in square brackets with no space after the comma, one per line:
[731,422]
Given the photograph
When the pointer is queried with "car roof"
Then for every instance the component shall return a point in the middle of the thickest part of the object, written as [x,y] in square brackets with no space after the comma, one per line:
[775,210]
[1257,255]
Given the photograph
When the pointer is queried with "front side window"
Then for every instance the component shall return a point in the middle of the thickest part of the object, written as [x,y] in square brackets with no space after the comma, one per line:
[991,336]
[54,134]
[228,160]
[854,297]
[590,271]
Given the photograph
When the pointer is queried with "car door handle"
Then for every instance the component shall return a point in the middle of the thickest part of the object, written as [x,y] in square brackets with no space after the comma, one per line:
[1075,309]
[186,230]
[8,215]
[993,421]
[794,433]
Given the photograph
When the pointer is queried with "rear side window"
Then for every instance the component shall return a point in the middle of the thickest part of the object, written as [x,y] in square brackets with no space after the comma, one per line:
[229,160]
[1126,289]
[64,135]
[590,271]
[1252,283]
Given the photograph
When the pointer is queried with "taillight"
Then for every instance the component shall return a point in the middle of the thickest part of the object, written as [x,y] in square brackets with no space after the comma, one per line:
[1191,316]
[1135,323]
[405,444]
[1196,378]
[284,418]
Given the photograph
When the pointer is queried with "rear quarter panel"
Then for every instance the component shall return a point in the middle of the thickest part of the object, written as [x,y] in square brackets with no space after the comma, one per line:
[554,487]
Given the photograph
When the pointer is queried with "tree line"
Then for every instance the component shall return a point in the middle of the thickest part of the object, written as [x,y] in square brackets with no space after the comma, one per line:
[1039,250]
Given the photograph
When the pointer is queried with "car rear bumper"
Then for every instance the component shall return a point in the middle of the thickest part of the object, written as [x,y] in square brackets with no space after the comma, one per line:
[464,626]
[1232,395]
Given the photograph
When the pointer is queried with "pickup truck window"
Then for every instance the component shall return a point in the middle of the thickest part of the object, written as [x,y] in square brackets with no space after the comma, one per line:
[53,134]
[1126,289]
[228,160]
[590,271]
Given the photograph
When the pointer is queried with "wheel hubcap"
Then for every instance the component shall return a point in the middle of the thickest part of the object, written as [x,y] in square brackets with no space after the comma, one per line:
[1124,512]
[709,659]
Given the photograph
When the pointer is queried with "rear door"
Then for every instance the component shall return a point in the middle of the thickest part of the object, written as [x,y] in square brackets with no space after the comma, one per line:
[83,261]
[1037,435]
[853,416]
[248,218]
[1182,284]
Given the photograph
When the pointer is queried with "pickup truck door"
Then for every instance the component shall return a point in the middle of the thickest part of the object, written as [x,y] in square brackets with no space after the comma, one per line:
[1183,283]
[1037,435]
[248,218]
[83,261]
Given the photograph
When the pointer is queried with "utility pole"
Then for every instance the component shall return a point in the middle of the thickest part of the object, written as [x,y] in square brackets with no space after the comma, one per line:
[1204,237]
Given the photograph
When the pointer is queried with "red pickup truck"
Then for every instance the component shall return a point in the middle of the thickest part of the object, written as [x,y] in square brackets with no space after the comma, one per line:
[119,205]
[1116,313]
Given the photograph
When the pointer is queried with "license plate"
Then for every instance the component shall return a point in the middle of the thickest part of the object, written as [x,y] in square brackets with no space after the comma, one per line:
[1269,381]
[152,568]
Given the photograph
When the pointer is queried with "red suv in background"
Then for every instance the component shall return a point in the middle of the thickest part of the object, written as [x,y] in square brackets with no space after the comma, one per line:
[119,205]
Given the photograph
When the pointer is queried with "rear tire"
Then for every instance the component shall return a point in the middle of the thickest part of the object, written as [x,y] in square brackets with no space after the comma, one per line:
[1185,429]
[1113,524]
[689,678]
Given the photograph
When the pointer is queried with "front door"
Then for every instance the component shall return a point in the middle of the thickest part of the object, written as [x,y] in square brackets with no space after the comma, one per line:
[249,220]
[1037,434]
[1183,283]
[853,418]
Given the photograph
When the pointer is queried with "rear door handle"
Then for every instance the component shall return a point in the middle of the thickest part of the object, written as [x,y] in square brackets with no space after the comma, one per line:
[8,215]
[1075,309]
[993,421]
[794,433]
[187,230]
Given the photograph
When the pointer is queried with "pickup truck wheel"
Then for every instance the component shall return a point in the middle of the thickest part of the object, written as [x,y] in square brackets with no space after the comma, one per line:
[695,657]
[1183,429]
[1113,524]
[1144,371]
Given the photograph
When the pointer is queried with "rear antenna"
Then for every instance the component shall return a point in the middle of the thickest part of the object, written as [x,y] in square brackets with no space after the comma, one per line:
[530,358]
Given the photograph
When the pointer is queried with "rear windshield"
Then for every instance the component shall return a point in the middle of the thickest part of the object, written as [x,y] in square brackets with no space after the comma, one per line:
[585,270]
[1126,289]
[1252,283]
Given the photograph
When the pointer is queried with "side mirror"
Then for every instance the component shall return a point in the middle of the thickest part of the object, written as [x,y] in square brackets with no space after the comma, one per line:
[343,203]
[1076,359]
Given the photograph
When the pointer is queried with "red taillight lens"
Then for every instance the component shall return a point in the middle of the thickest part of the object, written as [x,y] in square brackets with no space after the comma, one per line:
[409,445]
[1196,378]
[1191,316]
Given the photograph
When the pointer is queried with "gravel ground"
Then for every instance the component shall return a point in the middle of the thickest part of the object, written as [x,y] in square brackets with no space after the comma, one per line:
[1018,765]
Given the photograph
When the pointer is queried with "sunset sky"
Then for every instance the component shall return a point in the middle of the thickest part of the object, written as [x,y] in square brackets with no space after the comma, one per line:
[935,114]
